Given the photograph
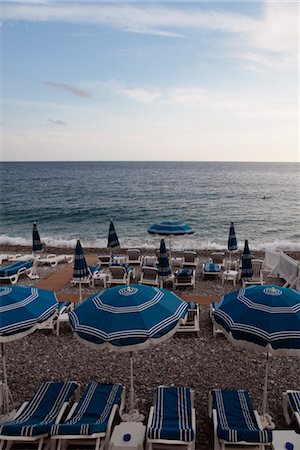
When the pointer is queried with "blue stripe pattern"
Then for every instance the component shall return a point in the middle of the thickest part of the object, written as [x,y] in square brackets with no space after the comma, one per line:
[22,308]
[127,316]
[236,418]
[266,316]
[36,241]
[232,242]
[12,269]
[211,267]
[80,269]
[172,418]
[92,413]
[41,411]
[247,271]
[163,266]
[294,400]
[170,229]
[113,240]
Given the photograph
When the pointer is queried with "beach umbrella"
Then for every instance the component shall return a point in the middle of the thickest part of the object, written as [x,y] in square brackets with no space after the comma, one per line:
[266,318]
[163,266]
[232,242]
[80,268]
[37,245]
[127,319]
[170,229]
[247,271]
[22,311]
[112,240]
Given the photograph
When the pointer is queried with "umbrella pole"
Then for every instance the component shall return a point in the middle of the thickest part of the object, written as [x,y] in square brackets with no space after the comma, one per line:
[170,251]
[6,395]
[80,293]
[265,391]
[131,384]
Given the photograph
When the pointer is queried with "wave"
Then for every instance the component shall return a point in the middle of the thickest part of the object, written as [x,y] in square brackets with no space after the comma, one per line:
[178,244]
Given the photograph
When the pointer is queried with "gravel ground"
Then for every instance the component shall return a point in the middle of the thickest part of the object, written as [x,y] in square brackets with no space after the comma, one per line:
[201,362]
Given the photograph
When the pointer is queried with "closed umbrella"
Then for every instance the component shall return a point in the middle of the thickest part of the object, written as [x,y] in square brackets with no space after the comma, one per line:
[22,311]
[127,319]
[266,318]
[112,240]
[163,266]
[80,269]
[232,242]
[170,229]
[37,245]
[247,271]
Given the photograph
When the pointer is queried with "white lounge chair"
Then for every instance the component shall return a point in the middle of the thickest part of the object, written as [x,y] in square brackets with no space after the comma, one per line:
[149,276]
[291,407]
[12,272]
[149,261]
[257,277]
[211,269]
[216,329]
[53,260]
[118,275]
[218,258]
[19,257]
[172,419]
[235,421]
[185,277]
[191,324]
[104,260]
[134,256]
[3,257]
[90,420]
[89,278]
[190,259]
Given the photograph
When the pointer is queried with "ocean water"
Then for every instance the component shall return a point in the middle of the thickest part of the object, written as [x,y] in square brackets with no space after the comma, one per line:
[71,200]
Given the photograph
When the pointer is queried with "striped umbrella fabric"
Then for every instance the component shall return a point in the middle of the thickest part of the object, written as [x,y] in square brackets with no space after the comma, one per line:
[22,311]
[247,271]
[37,245]
[232,242]
[113,240]
[80,269]
[163,266]
[170,229]
[266,318]
[128,318]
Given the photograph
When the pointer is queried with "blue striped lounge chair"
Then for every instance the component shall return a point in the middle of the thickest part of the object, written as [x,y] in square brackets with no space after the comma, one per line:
[15,270]
[291,407]
[191,323]
[235,421]
[211,269]
[90,420]
[33,420]
[185,277]
[172,420]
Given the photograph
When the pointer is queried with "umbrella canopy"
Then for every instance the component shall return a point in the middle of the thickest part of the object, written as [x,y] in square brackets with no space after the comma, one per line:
[37,245]
[232,242]
[264,317]
[128,318]
[22,311]
[163,266]
[112,240]
[247,271]
[170,229]
[80,268]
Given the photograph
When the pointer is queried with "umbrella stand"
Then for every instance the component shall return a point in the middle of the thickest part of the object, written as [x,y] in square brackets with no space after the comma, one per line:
[134,414]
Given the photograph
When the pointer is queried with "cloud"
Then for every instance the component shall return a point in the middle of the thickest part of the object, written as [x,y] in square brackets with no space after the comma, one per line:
[69,88]
[57,122]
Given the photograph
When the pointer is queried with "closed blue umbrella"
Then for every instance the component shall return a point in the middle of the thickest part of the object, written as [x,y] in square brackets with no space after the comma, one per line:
[37,245]
[264,317]
[113,240]
[80,268]
[247,271]
[22,311]
[163,266]
[128,319]
[232,242]
[170,229]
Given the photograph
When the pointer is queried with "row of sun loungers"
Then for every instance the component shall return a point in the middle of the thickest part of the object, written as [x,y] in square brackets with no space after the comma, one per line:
[56,414]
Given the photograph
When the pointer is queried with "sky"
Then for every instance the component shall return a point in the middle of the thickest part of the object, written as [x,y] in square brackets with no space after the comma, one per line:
[149,80]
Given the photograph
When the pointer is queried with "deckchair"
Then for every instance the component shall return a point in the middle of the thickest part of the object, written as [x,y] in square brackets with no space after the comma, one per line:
[149,276]
[190,259]
[257,277]
[235,421]
[218,258]
[63,308]
[19,257]
[104,260]
[15,270]
[33,420]
[53,260]
[216,329]
[88,279]
[172,419]
[191,324]
[185,277]
[291,407]
[133,256]
[149,261]
[118,275]
[211,269]
[90,420]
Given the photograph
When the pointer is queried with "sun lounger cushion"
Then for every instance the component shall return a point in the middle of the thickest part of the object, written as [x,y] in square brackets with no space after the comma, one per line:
[41,411]
[172,418]
[91,415]
[210,267]
[236,418]
[184,273]
[94,268]
[12,269]
[294,400]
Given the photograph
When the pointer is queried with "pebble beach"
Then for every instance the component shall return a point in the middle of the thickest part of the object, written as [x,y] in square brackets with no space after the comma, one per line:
[203,362]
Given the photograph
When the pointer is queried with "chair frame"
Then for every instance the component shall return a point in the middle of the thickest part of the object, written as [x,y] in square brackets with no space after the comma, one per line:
[151,443]
[134,260]
[189,280]
[192,322]
[258,275]
[22,271]
[112,280]
[213,274]
[151,281]
[192,259]
[289,414]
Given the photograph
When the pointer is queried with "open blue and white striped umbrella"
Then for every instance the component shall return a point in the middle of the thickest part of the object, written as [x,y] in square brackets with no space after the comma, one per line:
[37,245]
[128,318]
[264,317]
[22,311]
[170,229]
[247,271]
[163,266]
[232,242]
[112,240]
[80,268]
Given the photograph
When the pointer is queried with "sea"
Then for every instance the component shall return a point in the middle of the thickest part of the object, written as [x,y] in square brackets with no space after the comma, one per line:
[71,200]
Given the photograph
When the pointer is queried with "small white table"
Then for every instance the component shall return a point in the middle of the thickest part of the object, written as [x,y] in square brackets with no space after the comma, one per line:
[102,277]
[230,275]
[137,435]
[281,437]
